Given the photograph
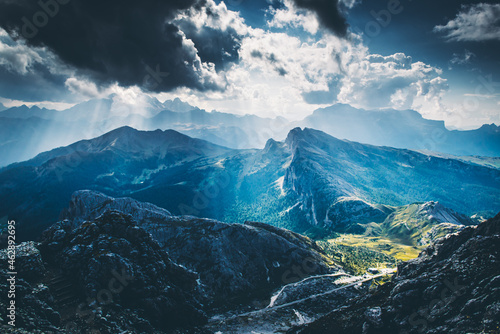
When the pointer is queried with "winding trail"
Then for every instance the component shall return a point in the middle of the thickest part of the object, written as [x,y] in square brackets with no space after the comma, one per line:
[270,307]
[275,297]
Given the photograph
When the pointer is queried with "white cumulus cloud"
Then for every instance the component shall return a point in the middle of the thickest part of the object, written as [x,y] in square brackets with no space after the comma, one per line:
[480,22]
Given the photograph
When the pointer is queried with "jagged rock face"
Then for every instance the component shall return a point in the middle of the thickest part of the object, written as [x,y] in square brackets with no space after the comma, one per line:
[437,211]
[88,205]
[452,287]
[123,279]
[29,263]
[338,182]
[34,307]
[116,264]
[236,263]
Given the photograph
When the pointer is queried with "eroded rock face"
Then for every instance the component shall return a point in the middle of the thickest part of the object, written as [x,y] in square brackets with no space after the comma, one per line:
[88,205]
[236,263]
[452,287]
[113,260]
[112,274]
[106,276]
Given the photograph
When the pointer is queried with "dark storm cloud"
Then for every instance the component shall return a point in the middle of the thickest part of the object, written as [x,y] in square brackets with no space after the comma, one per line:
[129,41]
[328,13]
[216,47]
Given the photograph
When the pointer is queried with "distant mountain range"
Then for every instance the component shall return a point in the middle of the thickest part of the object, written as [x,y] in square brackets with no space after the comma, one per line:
[311,182]
[25,132]
[403,129]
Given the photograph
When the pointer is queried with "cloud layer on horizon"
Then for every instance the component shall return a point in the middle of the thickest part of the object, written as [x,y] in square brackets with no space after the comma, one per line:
[213,58]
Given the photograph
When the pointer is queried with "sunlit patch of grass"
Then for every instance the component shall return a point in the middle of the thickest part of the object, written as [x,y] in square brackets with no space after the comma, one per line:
[357,253]
[381,244]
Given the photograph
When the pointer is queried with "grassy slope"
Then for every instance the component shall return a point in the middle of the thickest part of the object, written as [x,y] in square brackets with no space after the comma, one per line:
[357,253]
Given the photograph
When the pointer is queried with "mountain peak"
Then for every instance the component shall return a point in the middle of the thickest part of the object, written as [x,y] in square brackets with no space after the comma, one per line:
[493,128]
[341,107]
[294,136]
[270,145]
[130,131]
[131,140]
[25,107]
[124,130]
[311,136]
[177,105]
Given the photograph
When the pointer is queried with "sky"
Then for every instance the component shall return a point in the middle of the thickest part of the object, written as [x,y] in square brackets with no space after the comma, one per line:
[265,57]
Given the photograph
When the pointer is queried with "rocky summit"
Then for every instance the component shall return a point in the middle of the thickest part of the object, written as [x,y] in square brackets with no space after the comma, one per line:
[452,287]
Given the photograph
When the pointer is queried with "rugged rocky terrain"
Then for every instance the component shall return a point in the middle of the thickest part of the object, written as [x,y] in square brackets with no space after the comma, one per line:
[88,205]
[237,263]
[452,287]
[152,272]
[108,274]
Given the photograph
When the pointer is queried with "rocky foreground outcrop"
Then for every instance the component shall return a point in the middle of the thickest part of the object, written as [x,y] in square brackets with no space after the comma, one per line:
[236,263]
[110,275]
[452,287]
[88,205]
[115,276]
[240,263]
